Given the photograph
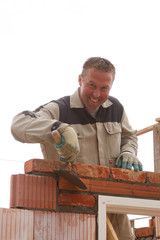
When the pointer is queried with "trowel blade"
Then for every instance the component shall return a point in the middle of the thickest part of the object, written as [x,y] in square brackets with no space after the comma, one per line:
[71,176]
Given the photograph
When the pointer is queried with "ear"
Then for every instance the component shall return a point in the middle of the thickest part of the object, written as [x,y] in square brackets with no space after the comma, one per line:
[80,80]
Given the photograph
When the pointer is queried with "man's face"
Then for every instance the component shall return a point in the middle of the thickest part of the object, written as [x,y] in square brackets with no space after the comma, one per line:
[94,88]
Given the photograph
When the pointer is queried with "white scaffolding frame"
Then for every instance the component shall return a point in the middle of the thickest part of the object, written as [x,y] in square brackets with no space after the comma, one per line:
[123,205]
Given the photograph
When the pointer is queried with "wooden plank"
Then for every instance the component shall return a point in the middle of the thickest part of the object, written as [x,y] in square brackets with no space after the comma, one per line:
[111,235]
[157,224]
[156,141]
[145,130]
[157,119]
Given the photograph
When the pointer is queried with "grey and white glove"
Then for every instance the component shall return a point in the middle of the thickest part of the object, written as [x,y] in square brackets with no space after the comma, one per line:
[128,160]
[66,143]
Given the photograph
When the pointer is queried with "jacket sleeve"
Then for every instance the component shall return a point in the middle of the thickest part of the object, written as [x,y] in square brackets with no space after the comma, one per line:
[129,141]
[35,126]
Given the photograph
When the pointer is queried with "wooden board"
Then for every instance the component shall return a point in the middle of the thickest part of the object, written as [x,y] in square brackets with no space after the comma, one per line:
[111,235]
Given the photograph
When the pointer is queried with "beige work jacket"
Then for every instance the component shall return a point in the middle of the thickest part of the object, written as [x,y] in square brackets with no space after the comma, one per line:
[101,140]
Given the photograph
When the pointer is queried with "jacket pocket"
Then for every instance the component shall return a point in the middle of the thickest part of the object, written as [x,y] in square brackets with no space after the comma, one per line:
[113,128]
[113,140]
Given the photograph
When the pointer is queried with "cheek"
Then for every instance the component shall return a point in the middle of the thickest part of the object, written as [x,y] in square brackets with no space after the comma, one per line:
[105,95]
[86,91]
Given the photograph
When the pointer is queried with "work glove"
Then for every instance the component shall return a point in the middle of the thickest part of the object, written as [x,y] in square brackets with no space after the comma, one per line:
[66,143]
[128,160]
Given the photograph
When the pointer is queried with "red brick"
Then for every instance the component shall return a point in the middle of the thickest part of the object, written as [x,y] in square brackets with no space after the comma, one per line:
[93,171]
[49,166]
[152,222]
[33,192]
[118,188]
[144,232]
[42,165]
[67,199]
[128,175]
[154,177]
[16,224]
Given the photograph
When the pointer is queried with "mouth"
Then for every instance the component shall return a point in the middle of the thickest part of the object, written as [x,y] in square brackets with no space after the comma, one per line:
[94,100]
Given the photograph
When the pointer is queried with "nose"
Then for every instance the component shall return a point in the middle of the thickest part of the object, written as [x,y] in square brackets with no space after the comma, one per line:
[96,93]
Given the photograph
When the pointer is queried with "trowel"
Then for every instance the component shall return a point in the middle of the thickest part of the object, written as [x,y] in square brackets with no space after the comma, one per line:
[71,176]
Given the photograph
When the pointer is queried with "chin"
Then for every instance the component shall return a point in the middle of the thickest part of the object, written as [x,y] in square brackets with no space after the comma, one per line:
[93,108]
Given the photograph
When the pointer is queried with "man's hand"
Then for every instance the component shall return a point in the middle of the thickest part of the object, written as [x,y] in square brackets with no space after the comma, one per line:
[66,144]
[128,160]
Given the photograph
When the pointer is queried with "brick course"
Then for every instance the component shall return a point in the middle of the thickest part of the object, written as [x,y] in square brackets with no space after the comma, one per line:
[144,232]
[114,188]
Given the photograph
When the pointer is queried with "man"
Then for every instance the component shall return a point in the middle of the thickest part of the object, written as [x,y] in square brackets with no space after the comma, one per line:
[93,125]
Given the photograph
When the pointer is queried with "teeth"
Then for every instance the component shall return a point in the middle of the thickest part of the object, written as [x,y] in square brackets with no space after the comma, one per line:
[94,100]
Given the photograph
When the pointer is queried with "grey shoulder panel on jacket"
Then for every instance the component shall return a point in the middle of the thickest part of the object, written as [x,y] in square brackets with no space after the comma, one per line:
[115,111]
[69,115]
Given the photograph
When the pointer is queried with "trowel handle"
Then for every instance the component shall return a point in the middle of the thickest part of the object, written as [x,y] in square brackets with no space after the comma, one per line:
[57,137]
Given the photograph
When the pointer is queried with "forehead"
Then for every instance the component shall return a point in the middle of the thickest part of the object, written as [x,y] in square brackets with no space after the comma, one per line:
[95,75]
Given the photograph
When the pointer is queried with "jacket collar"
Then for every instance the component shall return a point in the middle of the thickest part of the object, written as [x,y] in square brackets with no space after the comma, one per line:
[75,101]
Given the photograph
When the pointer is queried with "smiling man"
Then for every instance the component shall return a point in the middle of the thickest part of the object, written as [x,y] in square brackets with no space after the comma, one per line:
[95,86]
[93,125]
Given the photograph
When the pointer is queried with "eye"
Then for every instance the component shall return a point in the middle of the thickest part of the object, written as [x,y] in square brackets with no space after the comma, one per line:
[91,85]
[104,88]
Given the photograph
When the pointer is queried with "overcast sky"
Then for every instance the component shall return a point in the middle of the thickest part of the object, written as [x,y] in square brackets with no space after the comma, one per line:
[43,45]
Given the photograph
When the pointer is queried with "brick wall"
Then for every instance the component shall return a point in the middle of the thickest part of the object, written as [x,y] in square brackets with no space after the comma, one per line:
[39,188]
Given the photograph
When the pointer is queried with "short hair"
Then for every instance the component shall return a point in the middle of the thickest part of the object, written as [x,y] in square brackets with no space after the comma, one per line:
[100,64]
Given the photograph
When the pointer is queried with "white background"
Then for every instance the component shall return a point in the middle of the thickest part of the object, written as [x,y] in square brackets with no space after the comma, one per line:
[43,45]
